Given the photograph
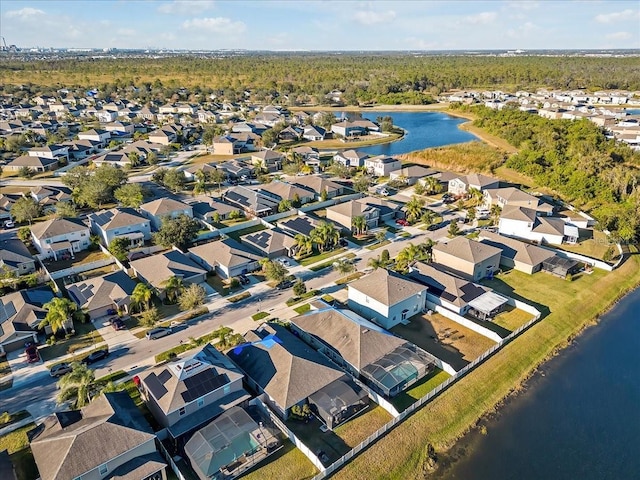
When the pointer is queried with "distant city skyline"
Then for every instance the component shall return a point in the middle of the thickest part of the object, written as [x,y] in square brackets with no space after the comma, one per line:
[322,25]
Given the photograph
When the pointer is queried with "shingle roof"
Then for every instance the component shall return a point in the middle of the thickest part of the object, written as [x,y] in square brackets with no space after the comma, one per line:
[56,227]
[288,370]
[445,285]
[103,291]
[351,208]
[227,252]
[117,217]
[156,269]
[69,444]
[268,241]
[516,250]
[388,288]
[515,212]
[163,206]
[22,311]
[284,191]
[172,385]
[467,249]
[358,341]
[29,161]
[13,253]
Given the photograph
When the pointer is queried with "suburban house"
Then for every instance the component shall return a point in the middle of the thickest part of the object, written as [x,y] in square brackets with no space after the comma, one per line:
[447,290]
[518,255]
[15,257]
[355,128]
[205,208]
[119,129]
[107,439]
[271,243]
[523,222]
[60,237]
[344,213]
[190,173]
[314,133]
[386,297]
[382,165]
[318,184]
[471,259]
[227,257]
[48,197]
[291,373]
[79,149]
[98,296]
[163,136]
[20,315]
[115,159]
[388,210]
[462,185]
[36,164]
[253,202]
[235,169]
[55,152]
[120,223]
[350,158]
[156,269]
[286,191]
[384,362]
[101,137]
[299,225]
[516,197]
[160,208]
[6,202]
[231,444]
[268,159]
[225,145]
[411,174]
[186,394]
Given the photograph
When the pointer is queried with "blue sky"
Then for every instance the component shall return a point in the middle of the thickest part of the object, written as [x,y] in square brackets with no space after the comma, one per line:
[322,25]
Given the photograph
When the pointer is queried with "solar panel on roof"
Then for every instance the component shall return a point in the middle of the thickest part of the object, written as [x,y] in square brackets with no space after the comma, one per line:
[156,388]
[261,239]
[164,376]
[201,384]
[39,296]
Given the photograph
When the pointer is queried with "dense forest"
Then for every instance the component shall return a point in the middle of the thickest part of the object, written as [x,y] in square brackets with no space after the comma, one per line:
[384,78]
[576,159]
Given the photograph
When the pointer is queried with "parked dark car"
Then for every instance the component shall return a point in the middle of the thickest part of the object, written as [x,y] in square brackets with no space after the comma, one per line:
[284,285]
[244,280]
[343,242]
[32,353]
[118,324]
[95,356]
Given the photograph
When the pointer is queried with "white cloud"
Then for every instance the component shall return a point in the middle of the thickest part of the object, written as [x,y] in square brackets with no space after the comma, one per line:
[482,18]
[26,13]
[214,24]
[619,36]
[523,30]
[369,17]
[615,17]
[186,6]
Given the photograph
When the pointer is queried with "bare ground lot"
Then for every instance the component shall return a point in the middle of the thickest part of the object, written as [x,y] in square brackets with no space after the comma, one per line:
[444,338]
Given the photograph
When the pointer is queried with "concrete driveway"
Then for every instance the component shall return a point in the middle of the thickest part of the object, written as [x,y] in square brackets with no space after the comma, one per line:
[113,338]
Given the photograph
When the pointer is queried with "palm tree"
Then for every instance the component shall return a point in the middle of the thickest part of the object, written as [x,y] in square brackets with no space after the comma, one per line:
[141,296]
[407,256]
[173,286]
[304,244]
[59,311]
[359,224]
[325,235]
[77,384]
[376,263]
[381,235]
[414,208]
[432,185]
[344,265]
[475,195]
[428,217]
[496,211]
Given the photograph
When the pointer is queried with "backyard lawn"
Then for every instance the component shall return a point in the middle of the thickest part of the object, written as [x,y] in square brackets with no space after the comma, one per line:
[318,441]
[420,389]
[444,338]
[357,429]
[593,245]
[512,318]
[286,463]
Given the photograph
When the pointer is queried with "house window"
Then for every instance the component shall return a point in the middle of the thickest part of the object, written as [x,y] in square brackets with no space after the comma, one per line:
[103,469]
[200,402]
[404,314]
[182,411]
[83,234]
[227,389]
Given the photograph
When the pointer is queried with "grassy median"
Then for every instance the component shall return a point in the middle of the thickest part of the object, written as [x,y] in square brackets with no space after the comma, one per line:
[569,307]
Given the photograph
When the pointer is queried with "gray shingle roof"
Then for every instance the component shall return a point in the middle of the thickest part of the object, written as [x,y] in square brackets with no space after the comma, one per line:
[103,291]
[445,285]
[13,253]
[467,250]
[70,444]
[56,227]
[117,218]
[163,206]
[227,252]
[156,269]
[386,287]
[516,250]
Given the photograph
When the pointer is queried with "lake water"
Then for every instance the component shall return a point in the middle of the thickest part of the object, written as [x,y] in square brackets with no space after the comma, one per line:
[423,130]
[579,417]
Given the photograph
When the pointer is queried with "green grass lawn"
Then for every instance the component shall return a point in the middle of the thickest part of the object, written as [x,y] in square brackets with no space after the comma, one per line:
[239,297]
[320,256]
[5,370]
[512,318]
[302,308]
[419,390]
[221,286]
[357,429]
[286,463]
[259,316]
[349,278]
[378,244]
[297,299]
[86,336]
[594,247]
[7,418]
[17,445]
[319,266]
[567,308]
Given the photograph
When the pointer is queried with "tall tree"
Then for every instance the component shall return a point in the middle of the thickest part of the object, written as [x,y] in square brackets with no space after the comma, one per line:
[59,311]
[66,210]
[25,209]
[192,297]
[303,244]
[141,297]
[130,195]
[173,287]
[77,385]
[326,236]
[413,208]
[359,224]
[179,231]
